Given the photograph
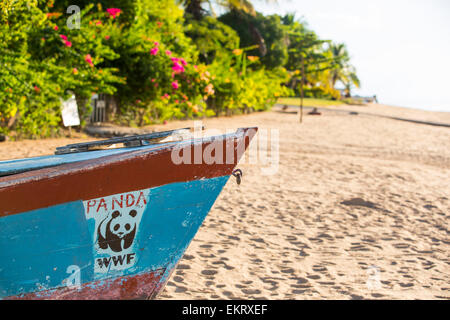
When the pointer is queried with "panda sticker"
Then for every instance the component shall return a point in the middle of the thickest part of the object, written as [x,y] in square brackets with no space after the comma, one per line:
[117,231]
[114,223]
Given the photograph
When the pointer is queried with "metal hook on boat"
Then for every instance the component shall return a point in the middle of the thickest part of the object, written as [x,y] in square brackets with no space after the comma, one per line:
[238,175]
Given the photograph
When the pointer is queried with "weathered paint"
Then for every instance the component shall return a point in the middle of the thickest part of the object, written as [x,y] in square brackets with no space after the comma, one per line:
[8,167]
[37,247]
[21,165]
[53,221]
[141,286]
[113,174]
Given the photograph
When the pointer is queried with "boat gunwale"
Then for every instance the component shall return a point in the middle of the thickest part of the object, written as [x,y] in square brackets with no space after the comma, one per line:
[16,187]
[28,176]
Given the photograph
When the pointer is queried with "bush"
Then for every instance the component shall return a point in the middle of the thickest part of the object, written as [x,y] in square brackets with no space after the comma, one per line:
[43,62]
[157,63]
[239,88]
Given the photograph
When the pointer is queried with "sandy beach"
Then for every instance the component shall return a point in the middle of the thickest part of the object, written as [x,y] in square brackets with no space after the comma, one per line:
[358,209]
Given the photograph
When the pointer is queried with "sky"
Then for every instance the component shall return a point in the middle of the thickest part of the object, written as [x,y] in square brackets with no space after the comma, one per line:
[400,48]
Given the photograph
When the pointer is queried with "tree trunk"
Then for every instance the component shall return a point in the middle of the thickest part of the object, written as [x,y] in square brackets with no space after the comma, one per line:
[301,89]
[194,7]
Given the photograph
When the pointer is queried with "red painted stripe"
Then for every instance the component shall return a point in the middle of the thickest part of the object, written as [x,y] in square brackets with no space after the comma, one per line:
[109,175]
[141,286]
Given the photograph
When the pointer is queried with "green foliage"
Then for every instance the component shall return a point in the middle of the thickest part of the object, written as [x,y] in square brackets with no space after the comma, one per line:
[160,62]
[150,51]
[318,63]
[43,62]
[210,36]
[239,88]
[264,31]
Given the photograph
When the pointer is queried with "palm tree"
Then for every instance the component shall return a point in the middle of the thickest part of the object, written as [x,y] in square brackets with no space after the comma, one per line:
[241,8]
[340,60]
[342,70]
[351,80]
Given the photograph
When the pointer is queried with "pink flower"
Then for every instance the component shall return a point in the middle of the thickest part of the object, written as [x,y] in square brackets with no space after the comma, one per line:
[55,28]
[175,85]
[177,67]
[98,22]
[68,43]
[156,43]
[154,51]
[75,71]
[153,80]
[88,59]
[113,12]
[37,89]
[183,62]
[168,52]
[176,101]
[63,37]
[107,37]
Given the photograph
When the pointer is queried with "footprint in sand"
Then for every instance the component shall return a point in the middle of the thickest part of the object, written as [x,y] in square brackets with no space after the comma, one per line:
[289,270]
[297,291]
[227,293]
[359,202]
[180,289]
[207,272]
[406,285]
[183,266]
[303,253]
[318,268]
[251,291]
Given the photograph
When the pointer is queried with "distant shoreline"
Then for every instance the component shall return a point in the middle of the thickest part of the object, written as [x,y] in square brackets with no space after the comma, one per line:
[432,123]
[435,118]
[339,102]
[416,108]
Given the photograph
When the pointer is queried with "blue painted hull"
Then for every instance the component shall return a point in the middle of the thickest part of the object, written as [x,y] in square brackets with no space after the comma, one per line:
[41,250]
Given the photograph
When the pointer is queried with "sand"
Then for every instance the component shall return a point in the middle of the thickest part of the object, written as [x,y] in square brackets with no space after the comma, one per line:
[359,209]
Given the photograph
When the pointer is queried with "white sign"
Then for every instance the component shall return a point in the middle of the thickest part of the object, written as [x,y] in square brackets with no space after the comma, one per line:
[100,104]
[70,112]
[116,222]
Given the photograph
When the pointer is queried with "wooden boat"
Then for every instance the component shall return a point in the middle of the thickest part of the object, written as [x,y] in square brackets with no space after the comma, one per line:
[109,223]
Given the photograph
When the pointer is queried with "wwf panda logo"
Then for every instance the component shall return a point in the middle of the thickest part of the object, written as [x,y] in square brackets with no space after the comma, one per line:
[117,231]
